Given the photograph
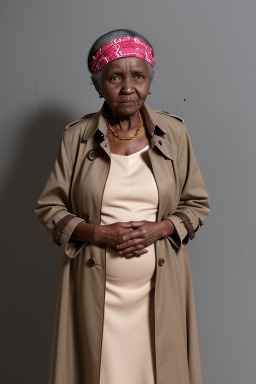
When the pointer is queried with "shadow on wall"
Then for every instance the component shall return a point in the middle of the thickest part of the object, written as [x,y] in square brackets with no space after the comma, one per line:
[29,260]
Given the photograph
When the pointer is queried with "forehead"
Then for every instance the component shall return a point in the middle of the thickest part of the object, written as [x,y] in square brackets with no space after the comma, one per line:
[126,64]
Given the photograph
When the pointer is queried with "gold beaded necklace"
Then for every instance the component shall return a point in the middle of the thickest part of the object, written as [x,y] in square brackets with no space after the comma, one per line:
[122,137]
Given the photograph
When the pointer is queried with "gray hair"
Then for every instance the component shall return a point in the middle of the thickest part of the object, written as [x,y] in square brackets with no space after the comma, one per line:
[107,37]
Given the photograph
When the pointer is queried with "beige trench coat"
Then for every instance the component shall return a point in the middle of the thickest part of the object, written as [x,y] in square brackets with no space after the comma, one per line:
[75,187]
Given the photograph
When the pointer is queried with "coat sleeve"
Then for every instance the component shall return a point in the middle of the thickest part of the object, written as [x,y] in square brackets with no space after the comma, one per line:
[54,210]
[193,206]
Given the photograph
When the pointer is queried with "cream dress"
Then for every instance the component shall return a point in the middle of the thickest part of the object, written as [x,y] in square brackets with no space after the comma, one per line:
[128,335]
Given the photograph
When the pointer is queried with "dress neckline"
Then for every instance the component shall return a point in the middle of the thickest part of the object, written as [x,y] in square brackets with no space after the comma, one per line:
[132,154]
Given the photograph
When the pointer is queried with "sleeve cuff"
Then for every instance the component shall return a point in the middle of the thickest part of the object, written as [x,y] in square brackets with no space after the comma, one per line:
[71,249]
[68,230]
[181,234]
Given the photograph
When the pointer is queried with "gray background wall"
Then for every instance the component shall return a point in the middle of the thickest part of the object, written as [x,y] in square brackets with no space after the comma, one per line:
[205,52]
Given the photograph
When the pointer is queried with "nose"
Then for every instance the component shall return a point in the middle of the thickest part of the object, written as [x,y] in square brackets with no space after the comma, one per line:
[127,86]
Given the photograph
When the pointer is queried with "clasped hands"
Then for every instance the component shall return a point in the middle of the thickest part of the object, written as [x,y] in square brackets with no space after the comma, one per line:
[130,239]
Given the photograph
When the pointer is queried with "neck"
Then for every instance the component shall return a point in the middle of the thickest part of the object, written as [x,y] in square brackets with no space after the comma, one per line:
[124,123]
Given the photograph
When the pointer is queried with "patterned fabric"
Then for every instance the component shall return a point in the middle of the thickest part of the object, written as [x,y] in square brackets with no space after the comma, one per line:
[122,47]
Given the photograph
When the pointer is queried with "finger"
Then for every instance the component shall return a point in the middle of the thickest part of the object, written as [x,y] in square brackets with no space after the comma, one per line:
[129,243]
[138,223]
[131,249]
[128,230]
[140,253]
[125,224]
[130,224]
[136,254]
[134,234]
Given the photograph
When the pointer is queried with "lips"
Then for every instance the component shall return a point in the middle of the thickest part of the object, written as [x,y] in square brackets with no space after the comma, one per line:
[127,101]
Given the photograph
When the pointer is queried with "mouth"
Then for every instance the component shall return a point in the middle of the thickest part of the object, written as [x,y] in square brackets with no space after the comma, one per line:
[127,102]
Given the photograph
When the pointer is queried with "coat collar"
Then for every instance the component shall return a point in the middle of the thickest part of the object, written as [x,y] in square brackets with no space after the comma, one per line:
[97,122]
[97,127]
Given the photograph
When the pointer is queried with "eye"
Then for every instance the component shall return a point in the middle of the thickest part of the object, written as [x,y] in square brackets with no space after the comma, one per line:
[139,76]
[114,78]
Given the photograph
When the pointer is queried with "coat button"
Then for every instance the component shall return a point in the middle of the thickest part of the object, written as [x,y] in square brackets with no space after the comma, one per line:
[86,217]
[92,155]
[91,263]
[161,262]
[160,142]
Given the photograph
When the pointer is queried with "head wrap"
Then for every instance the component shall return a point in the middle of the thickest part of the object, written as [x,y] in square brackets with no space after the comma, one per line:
[121,47]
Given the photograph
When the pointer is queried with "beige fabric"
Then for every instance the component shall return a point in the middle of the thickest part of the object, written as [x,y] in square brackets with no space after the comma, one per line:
[76,186]
[127,350]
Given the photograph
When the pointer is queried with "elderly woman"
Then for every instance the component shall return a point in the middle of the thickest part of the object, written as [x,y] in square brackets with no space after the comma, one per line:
[123,199]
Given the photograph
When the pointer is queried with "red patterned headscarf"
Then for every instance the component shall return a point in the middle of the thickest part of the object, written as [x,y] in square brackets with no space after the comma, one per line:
[122,47]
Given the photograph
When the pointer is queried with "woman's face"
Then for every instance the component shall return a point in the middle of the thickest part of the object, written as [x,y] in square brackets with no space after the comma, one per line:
[125,85]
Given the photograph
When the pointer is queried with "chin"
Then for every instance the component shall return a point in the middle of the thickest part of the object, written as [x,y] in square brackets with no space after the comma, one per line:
[128,108]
